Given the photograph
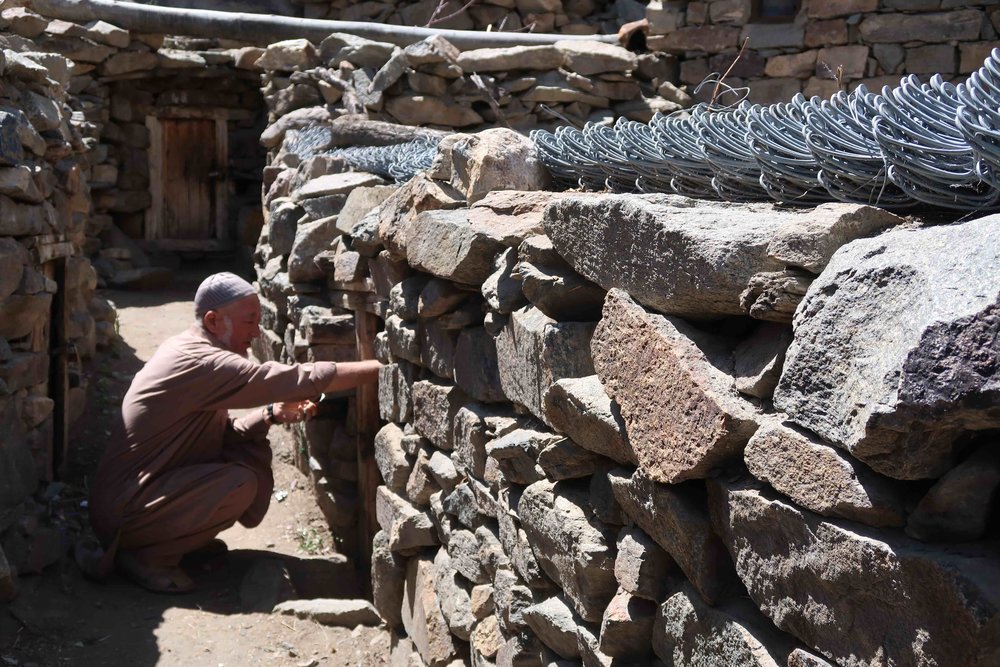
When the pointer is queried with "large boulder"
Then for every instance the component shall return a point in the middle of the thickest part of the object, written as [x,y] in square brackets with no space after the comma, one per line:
[496,159]
[859,597]
[681,409]
[895,348]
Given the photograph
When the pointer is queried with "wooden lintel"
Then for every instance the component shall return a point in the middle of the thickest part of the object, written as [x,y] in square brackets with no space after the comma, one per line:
[367,414]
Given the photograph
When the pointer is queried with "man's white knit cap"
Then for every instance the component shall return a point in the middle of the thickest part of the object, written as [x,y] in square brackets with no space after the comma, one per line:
[219,289]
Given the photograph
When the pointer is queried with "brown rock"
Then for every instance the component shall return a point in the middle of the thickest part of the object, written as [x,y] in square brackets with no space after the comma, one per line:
[680,407]
[422,618]
[799,65]
[707,39]
[627,627]
[849,62]
[819,478]
[826,33]
[424,110]
[825,9]
[513,58]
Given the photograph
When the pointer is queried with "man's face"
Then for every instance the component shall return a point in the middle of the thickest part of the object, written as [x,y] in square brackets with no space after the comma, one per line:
[235,324]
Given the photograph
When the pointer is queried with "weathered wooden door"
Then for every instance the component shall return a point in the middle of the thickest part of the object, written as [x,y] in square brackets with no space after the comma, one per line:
[187,183]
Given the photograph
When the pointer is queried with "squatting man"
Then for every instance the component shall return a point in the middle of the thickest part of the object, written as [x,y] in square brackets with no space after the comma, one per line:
[179,470]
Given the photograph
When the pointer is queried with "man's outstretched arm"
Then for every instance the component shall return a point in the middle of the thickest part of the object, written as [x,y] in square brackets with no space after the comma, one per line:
[352,374]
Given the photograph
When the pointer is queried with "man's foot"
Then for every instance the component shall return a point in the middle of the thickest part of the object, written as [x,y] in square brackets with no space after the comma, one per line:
[207,557]
[155,579]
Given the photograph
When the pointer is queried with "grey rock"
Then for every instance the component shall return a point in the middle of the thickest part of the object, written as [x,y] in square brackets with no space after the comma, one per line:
[814,577]
[689,632]
[564,459]
[516,545]
[399,210]
[422,618]
[511,598]
[958,507]
[587,58]
[900,402]
[456,606]
[679,256]
[434,407]
[289,55]
[810,243]
[359,203]
[439,297]
[419,484]
[21,313]
[462,245]
[555,623]
[13,258]
[676,518]
[627,627]
[758,360]
[395,400]
[393,463]
[774,295]
[819,478]
[641,566]
[343,613]
[580,408]
[675,388]
[340,47]
[441,468]
[560,292]
[801,658]
[474,427]
[534,351]
[336,184]
[464,549]
[404,339]
[427,110]
[437,349]
[388,575]
[407,527]
[502,292]
[311,238]
[477,368]
[575,551]
[513,58]
[404,297]
[516,454]
[282,225]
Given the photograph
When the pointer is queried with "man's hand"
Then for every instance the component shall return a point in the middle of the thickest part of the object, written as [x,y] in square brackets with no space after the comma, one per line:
[294,411]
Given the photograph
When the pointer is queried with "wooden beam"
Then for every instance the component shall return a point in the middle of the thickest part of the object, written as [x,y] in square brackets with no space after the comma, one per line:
[220,182]
[264,29]
[366,411]
[154,214]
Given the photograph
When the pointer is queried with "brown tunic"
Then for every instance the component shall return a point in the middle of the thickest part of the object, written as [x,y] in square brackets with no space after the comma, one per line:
[178,469]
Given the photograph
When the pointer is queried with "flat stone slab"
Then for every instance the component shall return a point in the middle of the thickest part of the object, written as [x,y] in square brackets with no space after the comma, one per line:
[895,347]
[336,184]
[860,597]
[823,479]
[342,613]
[679,256]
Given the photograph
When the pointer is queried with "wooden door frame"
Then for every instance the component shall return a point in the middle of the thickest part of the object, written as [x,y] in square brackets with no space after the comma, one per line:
[154,214]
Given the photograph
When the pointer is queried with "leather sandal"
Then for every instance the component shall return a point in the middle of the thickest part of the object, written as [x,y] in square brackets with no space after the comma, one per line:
[171,580]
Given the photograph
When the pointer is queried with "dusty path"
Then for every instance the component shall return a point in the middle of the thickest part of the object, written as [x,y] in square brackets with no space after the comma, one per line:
[61,618]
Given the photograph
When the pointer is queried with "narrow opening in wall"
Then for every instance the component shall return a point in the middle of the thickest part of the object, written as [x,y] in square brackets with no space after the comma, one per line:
[774,11]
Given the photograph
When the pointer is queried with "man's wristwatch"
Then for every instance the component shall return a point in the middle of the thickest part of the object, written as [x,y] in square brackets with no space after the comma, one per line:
[269,414]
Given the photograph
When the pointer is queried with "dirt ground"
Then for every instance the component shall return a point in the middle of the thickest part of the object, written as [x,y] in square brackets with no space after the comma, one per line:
[61,618]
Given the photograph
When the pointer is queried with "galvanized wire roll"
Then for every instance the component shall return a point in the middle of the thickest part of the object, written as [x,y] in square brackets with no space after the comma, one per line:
[641,148]
[679,142]
[608,152]
[789,172]
[552,155]
[978,118]
[401,162]
[577,146]
[722,138]
[852,167]
[929,157]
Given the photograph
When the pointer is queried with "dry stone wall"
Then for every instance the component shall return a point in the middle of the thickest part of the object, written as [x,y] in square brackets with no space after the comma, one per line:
[120,84]
[614,435]
[48,308]
[823,46]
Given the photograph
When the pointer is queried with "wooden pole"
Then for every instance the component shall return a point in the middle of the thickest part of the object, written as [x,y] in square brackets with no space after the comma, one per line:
[264,29]
[366,410]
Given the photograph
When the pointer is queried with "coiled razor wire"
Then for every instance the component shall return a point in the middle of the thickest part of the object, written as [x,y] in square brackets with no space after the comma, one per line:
[400,162]
[917,143]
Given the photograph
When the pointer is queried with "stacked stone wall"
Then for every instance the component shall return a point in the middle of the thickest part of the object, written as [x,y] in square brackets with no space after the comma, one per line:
[117,81]
[645,429]
[44,275]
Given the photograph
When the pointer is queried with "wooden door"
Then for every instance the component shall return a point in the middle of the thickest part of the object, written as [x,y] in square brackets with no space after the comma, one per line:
[188,173]
[188,158]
